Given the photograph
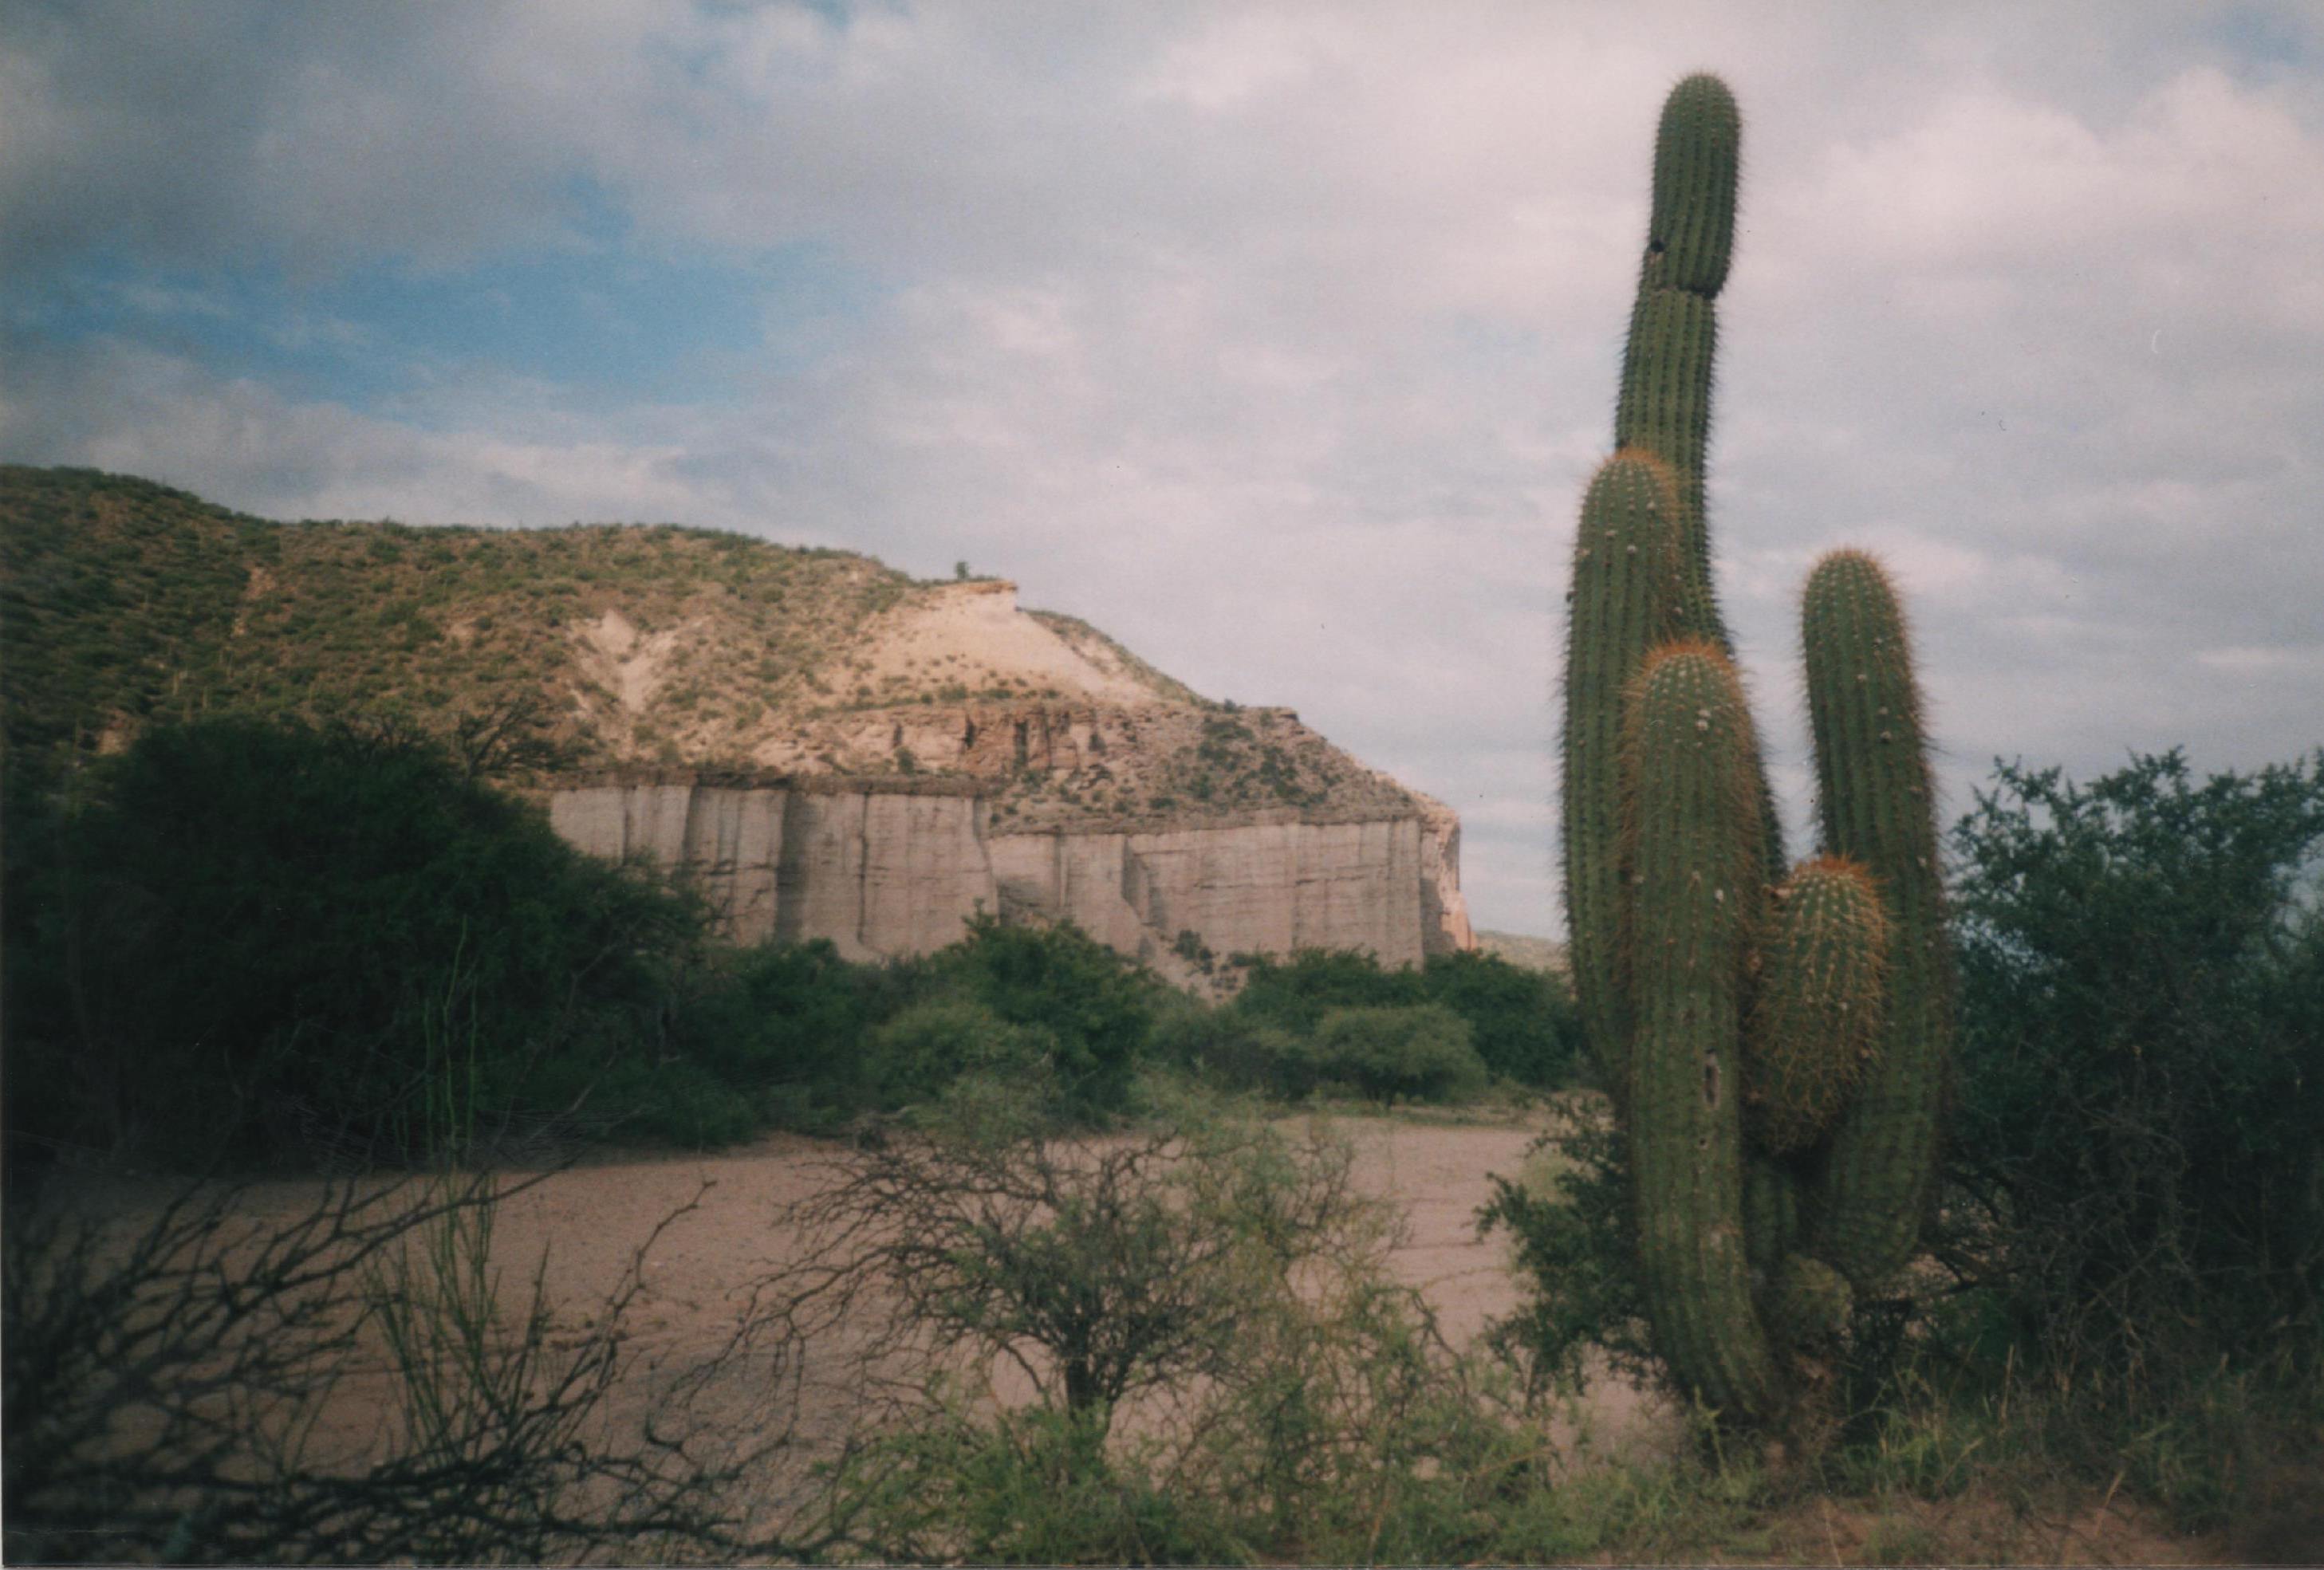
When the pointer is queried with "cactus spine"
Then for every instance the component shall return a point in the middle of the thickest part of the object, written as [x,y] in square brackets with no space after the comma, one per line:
[1776,1045]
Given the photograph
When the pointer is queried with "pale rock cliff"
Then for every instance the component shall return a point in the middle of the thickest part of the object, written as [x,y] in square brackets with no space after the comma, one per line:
[973,757]
[831,748]
[897,867]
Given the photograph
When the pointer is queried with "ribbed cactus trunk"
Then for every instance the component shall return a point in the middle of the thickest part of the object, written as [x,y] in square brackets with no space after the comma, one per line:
[1627,570]
[1877,806]
[1776,1045]
[1693,836]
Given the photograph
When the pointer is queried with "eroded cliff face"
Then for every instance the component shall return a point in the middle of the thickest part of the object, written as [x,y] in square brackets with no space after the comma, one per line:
[834,749]
[894,868]
[987,758]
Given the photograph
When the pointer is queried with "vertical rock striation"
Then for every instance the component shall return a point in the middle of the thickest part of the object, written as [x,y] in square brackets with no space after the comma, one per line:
[891,868]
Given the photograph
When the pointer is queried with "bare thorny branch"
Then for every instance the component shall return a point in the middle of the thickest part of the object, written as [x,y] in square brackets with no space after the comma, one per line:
[182,1388]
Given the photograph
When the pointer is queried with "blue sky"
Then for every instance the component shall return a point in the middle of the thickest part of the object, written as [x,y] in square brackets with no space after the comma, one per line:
[1276,339]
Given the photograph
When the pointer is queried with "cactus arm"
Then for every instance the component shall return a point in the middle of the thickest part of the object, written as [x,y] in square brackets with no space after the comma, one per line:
[1815,1014]
[1877,806]
[1698,152]
[1625,575]
[1693,835]
[1670,355]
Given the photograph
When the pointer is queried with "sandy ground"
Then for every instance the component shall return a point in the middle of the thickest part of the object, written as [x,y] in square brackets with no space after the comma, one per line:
[591,1220]
[583,1228]
[721,1234]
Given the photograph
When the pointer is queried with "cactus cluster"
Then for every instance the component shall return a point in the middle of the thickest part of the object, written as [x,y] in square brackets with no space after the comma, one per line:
[1775,1041]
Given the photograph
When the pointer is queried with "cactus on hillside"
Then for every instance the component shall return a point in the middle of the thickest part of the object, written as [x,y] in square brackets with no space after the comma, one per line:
[1776,1043]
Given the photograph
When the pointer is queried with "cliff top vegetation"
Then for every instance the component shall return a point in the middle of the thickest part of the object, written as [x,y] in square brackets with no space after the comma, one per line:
[540,652]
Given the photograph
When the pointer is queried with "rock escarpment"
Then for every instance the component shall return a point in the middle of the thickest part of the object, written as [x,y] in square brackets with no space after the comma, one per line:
[1000,761]
[831,748]
[884,868]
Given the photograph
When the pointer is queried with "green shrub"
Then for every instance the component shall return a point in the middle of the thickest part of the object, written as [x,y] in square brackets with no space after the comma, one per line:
[1238,1053]
[253,940]
[1574,1240]
[1096,1004]
[1524,1022]
[1294,994]
[2134,1141]
[913,1057]
[1418,1054]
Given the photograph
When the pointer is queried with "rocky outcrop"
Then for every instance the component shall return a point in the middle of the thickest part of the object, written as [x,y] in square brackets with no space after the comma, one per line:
[1443,912]
[831,748]
[879,872]
[890,868]
[988,759]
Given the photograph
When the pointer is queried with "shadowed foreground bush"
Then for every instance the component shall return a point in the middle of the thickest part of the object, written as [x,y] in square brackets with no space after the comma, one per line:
[334,1385]
[256,941]
[2136,1146]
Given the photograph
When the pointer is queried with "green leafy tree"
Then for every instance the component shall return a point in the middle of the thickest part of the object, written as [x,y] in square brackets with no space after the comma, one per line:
[1522,1022]
[2143,1053]
[1417,1054]
[254,939]
[1296,993]
[1098,1006]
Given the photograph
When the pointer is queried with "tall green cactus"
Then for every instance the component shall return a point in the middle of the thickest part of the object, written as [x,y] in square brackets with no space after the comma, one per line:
[1776,1044]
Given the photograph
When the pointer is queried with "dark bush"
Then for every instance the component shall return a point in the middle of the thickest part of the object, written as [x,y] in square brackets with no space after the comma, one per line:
[253,938]
[1098,1006]
[1294,994]
[2142,1070]
[1524,1022]
[1419,1053]
[786,1024]
[189,1383]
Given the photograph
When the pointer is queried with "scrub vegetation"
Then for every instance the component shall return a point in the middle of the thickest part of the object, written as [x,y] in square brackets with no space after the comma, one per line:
[1136,1314]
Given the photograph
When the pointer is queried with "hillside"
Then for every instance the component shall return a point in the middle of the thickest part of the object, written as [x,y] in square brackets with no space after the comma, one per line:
[621,651]
[1519,949]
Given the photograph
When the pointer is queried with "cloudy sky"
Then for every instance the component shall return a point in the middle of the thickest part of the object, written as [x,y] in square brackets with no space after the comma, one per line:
[1279,340]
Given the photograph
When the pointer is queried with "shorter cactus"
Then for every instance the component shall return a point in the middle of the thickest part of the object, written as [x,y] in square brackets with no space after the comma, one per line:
[1692,836]
[1816,1016]
[1876,805]
[1808,1302]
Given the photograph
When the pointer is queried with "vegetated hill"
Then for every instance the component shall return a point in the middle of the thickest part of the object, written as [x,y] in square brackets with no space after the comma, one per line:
[1518,949]
[617,647]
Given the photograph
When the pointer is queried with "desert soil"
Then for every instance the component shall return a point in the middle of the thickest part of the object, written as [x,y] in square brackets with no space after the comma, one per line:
[588,1223]
[583,1227]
